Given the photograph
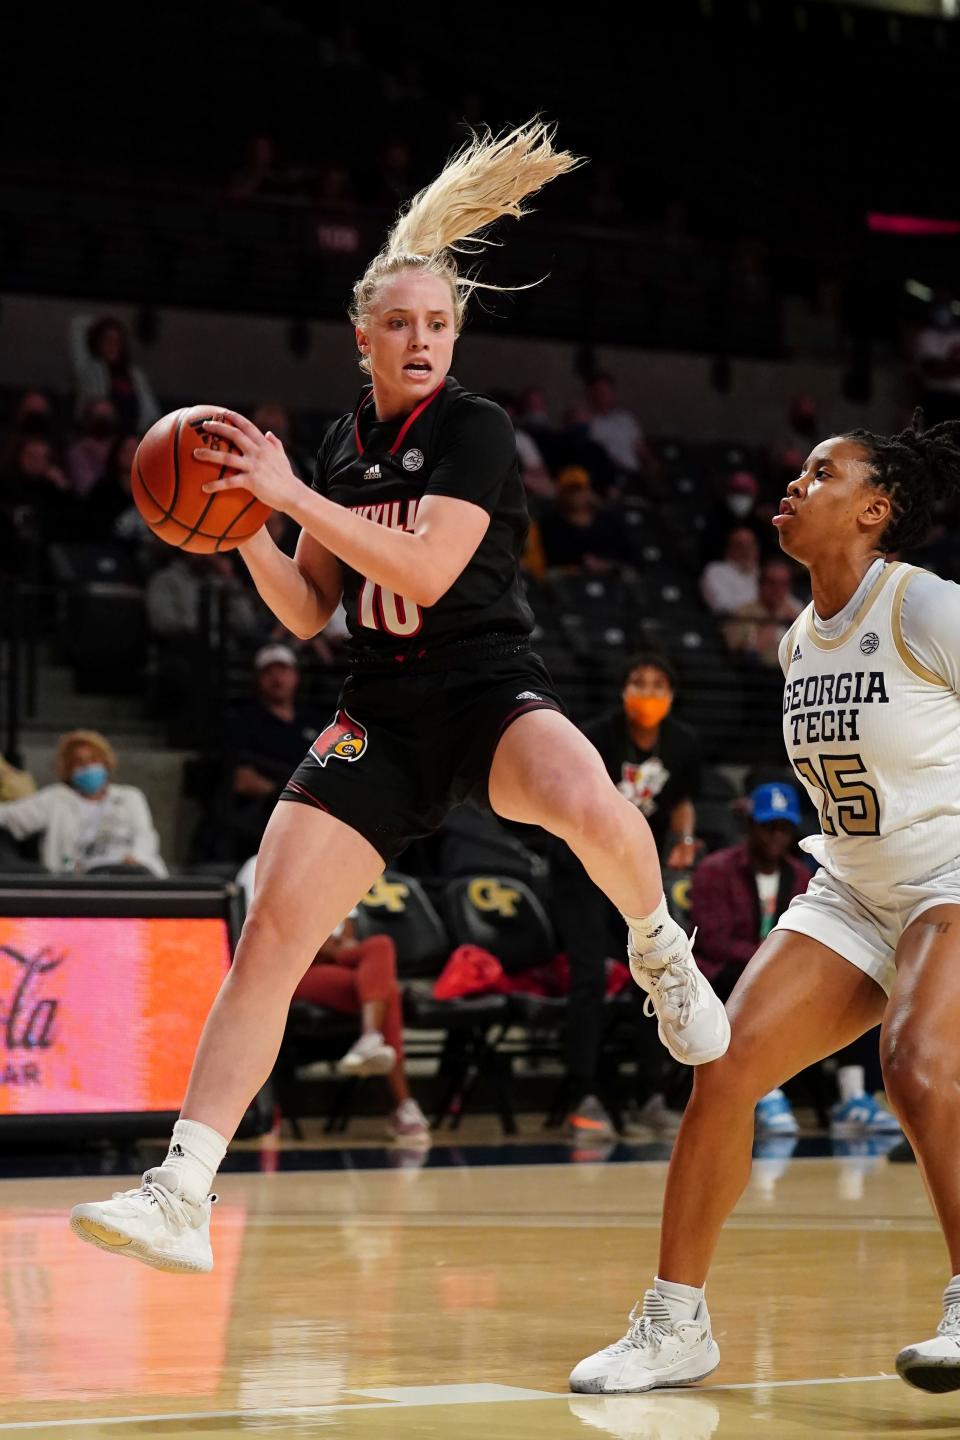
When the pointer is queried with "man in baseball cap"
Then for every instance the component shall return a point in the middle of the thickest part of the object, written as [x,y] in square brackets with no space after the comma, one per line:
[737,897]
[265,742]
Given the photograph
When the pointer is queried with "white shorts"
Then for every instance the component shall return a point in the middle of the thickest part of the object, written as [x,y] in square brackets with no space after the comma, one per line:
[863,931]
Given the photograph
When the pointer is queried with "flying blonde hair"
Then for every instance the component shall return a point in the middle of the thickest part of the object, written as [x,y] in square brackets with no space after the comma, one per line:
[488,178]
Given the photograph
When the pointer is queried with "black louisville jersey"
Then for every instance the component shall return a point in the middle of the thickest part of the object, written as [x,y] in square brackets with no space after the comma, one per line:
[454,443]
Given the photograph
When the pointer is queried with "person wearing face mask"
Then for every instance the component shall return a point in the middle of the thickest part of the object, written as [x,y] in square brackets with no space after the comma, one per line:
[738,507]
[936,357]
[654,760]
[87,823]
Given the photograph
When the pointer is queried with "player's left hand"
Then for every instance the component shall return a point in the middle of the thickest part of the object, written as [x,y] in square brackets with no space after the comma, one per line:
[261,467]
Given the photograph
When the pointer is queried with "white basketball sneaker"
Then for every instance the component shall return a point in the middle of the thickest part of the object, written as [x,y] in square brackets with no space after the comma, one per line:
[655,1352]
[691,1021]
[155,1224]
[935,1364]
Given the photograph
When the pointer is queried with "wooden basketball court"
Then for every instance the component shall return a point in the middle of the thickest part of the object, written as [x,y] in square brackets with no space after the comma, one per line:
[453,1301]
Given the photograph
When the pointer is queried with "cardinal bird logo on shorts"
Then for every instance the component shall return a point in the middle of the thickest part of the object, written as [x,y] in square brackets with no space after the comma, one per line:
[344,739]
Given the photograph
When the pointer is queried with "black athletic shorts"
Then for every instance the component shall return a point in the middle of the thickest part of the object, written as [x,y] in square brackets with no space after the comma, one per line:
[407,744]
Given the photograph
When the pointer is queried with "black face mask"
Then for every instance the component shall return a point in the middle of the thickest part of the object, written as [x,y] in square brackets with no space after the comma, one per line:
[36,424]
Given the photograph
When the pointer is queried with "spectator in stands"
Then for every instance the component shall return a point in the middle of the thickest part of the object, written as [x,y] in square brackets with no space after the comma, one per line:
[87,456]
[359,977]
[617,430]
[36,506]
[754,635]
[87,823]
[732,582]
[174,597]
[739,509]
[802,431]
[574,445]
[532,412]
[34,416]
[936,357]
[737,897]
[103,370]
[536,478]
[110,499]
[655,761]
[265,742]
[577,532]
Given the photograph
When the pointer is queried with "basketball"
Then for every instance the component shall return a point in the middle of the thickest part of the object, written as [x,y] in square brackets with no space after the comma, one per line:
[167,486]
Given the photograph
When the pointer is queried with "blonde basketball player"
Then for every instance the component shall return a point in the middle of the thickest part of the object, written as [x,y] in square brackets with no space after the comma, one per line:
[871,720]
[416,517]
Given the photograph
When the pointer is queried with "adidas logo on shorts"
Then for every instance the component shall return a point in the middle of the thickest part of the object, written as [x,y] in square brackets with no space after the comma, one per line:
[528,695]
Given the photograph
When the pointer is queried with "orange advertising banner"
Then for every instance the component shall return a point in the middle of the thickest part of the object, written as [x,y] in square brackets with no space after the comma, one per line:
[103,1015]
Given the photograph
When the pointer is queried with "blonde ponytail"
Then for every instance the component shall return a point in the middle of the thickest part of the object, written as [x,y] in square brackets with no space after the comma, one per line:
[489,178]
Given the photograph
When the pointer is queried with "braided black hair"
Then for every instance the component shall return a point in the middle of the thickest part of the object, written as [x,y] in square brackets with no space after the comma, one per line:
[917,468]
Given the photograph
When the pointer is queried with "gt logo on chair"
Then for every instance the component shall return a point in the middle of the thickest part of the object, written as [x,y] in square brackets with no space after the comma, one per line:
[489,894]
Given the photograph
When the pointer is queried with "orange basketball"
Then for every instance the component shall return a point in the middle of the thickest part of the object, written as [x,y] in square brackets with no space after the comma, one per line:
[167,480]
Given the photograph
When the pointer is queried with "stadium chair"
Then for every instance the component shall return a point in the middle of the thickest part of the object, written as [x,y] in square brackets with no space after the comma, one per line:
[503,915]
[397,905]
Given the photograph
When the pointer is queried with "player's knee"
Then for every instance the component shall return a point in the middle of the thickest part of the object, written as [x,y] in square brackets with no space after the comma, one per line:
[733,1082]
[588,815]
[268,937]
[914,1078]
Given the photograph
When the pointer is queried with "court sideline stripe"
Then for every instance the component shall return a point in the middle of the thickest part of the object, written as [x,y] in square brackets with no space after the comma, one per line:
[294,1410]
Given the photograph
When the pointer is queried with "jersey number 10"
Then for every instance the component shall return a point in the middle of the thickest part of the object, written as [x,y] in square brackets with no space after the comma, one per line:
[382,609]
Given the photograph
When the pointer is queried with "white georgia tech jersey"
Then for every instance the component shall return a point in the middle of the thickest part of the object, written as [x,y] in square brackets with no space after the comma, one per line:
[874,736]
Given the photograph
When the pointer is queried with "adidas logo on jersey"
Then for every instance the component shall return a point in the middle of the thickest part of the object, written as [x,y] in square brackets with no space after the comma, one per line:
[796,655]
[373,473]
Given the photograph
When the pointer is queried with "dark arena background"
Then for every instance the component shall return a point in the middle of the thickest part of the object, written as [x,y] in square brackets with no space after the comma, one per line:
[763,251]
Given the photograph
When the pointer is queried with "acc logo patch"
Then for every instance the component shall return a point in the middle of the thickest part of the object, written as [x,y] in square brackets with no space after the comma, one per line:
[344,739]
[412,459]
[870,643]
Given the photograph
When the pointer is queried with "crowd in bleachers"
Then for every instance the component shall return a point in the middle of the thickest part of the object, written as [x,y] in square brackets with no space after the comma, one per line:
[660,597]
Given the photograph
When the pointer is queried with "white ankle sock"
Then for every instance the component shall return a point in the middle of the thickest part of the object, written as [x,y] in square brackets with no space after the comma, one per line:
[850,1080]
[651,934]
[195,1154]
[683,1301]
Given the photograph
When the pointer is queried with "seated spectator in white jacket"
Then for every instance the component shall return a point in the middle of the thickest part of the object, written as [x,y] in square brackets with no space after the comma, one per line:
[87,823]
[729,583]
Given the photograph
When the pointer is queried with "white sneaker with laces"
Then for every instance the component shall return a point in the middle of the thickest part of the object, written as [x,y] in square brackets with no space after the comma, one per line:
[655,1352]
[934,1365]
[370,1055]
[691,1021]
[155,1224]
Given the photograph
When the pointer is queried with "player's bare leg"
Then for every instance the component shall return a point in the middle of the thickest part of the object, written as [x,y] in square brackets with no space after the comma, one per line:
[796,1002]
[311,871]
[921,1073]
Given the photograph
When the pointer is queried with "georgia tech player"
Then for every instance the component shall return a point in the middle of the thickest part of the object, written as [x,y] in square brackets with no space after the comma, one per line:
[871,720]
[416,517]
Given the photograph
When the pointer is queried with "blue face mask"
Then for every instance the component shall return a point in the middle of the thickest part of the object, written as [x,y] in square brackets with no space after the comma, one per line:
[88,779]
